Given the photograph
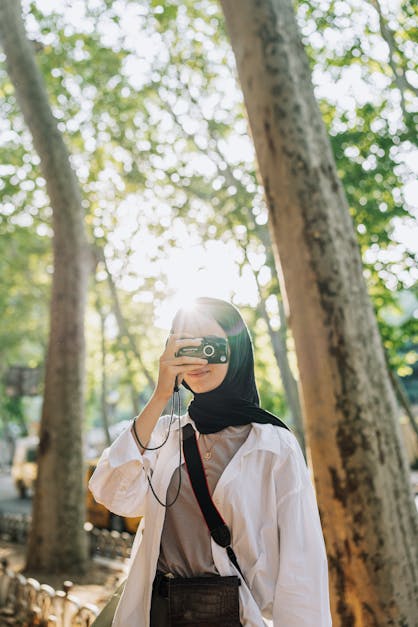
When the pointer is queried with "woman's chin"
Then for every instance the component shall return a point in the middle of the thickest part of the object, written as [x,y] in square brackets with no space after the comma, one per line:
[199,387]
[207,379]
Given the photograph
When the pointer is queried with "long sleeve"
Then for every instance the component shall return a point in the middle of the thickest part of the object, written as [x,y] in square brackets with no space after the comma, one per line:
[119,481]
[301,595]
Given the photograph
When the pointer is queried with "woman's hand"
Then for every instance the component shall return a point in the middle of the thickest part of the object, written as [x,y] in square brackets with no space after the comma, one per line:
[172,367]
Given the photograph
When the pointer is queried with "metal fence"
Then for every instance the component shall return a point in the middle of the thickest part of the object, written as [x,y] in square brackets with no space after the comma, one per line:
[25,602]
[110,544]
[14,527]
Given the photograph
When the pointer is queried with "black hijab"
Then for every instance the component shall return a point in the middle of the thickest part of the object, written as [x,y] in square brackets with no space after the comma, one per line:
[235,401]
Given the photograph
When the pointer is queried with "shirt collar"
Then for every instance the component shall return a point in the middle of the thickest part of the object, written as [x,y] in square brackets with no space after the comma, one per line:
[261,437]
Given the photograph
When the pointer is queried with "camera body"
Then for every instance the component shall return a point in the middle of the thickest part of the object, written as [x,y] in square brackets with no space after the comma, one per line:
[212,348]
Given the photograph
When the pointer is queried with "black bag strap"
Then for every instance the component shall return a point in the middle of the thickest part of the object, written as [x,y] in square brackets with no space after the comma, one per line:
[216,524]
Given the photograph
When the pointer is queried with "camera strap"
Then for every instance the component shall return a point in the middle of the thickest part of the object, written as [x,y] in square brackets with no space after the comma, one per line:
[214,521]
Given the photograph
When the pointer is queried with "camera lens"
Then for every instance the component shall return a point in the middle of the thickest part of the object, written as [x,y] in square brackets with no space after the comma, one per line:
[208,350]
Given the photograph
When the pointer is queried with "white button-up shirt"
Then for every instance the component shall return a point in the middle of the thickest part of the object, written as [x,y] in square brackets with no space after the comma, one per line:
[267,500]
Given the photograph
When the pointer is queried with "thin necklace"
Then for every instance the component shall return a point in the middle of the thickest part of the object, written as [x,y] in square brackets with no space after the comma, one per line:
[208,454]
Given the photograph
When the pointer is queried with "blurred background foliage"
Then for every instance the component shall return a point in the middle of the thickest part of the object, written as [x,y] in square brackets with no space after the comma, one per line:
[147,100]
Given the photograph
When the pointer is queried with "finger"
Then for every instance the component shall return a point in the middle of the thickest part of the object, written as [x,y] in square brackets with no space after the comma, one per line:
[195,341]
[172,347]
[174,337]
[178,361]
[185,368]
[178,336]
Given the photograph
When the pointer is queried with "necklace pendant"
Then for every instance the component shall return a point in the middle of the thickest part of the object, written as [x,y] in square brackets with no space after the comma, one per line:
[208,455]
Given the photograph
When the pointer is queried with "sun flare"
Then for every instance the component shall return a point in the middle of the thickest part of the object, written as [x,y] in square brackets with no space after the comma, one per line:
[212,270]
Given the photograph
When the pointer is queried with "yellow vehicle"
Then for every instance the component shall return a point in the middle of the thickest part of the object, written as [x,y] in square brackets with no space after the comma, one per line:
[99,515]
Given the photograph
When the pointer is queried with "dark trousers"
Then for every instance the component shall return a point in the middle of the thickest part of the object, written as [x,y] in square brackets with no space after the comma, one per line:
[159,610]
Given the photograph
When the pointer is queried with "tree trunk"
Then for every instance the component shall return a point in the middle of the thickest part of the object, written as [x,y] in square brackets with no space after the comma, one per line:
[103,383]
[278,342]
[361,476]
[279,347]
[122,325]
[57,540]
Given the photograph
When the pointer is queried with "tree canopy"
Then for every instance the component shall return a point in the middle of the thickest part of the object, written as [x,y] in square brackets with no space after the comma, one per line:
[147,100]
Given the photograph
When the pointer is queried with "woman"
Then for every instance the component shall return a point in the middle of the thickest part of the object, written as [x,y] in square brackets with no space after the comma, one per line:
[255,473]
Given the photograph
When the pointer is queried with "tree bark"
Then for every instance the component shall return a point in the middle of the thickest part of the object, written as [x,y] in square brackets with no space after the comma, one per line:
[361,476]
[103,383]
[57,540]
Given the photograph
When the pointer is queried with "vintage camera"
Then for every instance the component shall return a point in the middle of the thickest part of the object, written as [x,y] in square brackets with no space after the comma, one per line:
[212,348]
